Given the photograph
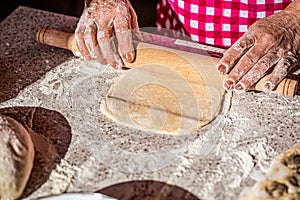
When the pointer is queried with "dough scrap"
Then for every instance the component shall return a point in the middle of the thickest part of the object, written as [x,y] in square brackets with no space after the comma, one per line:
[16,158]
[169,92]
[282,181]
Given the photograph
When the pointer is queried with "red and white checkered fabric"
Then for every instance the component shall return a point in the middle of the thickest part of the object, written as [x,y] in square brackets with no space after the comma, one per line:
[214,22]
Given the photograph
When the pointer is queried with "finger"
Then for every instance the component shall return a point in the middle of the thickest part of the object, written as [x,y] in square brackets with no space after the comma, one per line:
[90,38]
[257,72]
[124,37]
[134,20]
[79,38]
[234,53]
[108,49]
[126,45]
[280,72]
[134,25]
[243,66]
[82,48]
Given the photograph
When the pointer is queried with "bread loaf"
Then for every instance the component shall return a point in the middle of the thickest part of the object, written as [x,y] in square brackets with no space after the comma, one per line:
[16,158]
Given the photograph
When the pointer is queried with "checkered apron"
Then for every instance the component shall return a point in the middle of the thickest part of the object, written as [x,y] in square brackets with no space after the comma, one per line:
[214,22]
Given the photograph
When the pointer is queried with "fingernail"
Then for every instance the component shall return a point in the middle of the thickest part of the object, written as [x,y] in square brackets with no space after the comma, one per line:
[222,69]
[228,84]
[239,87]
[87,57]
[77,54]
[102,61]
[128,57]
[268,86]
[117,63]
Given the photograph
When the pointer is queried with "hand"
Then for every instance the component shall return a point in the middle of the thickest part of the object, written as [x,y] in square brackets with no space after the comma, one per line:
[270,46]
[100,21]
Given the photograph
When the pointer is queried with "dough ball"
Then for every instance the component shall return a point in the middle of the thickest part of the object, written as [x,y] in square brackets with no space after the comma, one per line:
[16,158]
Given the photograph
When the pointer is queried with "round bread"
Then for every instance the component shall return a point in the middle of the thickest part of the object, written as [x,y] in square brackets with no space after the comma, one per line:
[16,158]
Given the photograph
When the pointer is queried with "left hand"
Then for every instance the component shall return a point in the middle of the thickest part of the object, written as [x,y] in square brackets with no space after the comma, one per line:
[101,22]
[271,45]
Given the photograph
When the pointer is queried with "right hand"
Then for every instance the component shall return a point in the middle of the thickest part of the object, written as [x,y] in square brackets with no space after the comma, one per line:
[100,21]
[270,48]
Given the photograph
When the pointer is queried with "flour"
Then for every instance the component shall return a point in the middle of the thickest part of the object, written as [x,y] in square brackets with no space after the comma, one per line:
[59,181]
[238,153]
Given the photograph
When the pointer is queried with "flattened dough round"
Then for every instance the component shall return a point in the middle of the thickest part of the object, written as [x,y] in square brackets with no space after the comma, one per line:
[16,158]
[168,91]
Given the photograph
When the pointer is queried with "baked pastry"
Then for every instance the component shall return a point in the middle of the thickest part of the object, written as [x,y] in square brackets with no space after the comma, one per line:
[282,181]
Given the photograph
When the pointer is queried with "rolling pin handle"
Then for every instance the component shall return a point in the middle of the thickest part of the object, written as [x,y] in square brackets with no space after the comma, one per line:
[58,39]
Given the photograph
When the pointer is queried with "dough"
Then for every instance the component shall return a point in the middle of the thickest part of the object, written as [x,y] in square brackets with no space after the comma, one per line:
[282,181]
[168,91]
[16,158]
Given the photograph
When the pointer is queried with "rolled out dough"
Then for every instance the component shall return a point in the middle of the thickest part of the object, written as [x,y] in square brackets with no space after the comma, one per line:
[16,158]
[166,91]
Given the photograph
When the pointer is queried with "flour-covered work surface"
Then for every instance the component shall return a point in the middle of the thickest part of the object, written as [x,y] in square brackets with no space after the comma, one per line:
[92,153]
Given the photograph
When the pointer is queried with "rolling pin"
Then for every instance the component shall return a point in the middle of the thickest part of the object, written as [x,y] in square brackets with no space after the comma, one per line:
[66,40]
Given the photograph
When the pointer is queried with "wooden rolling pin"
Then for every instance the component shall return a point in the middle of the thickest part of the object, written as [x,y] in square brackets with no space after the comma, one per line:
[66,40]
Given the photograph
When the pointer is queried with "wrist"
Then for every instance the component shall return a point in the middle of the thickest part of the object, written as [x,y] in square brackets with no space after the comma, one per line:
[293,9]
[87,2]
[294,5]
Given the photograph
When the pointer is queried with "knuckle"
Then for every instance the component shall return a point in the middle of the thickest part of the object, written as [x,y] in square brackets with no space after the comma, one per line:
[288,60]
[102,36]
[243,43]
[281,72]
[250,58]
[264,65]
[271,57]
[90,30]
[280,51]
[285,64]
[79,30]
[268,37]
[264,36]
[257,71]
[282,67]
